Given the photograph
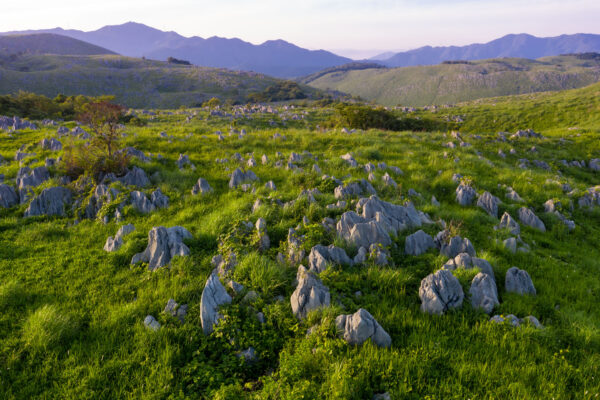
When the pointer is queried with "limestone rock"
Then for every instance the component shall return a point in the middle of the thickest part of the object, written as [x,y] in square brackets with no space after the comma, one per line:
[457,245]
[51,144]
[141,203]
[527,217]
[309,295]
[359,327]
[321,256]
[52,201]
[201,187]
[238,177]
[151,323]
[519,281]
[484,293]
[489,203]
[27,178]
[440,292]
[163,245]
[214,295]
[418,243]
[507,222]
[8,196]
[465,195]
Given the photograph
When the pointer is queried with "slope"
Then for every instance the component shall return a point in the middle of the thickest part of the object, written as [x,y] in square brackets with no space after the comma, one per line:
[48,43]
[456,82]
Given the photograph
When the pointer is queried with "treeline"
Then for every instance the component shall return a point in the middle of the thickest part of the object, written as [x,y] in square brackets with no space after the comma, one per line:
[35,106]
[365,117]
[281,91]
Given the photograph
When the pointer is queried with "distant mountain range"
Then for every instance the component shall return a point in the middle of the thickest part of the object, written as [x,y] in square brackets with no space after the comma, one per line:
[521,46]
[48,43]
[276,57]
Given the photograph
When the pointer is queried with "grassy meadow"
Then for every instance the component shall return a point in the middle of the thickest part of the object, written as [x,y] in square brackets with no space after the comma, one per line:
[71,314]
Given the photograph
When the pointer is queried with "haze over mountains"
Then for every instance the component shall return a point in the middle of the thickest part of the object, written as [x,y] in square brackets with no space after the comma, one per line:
[276,57]
[279,58]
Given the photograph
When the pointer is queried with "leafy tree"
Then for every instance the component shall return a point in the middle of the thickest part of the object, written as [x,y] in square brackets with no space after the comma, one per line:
[212,103]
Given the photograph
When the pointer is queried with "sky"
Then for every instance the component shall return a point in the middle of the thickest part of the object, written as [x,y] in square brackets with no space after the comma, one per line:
[354,28]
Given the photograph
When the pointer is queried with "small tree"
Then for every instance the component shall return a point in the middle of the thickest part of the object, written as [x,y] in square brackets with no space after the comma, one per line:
[212,103]
[103,154]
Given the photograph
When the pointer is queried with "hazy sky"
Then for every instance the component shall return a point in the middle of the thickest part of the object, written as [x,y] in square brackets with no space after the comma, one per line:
[349,27]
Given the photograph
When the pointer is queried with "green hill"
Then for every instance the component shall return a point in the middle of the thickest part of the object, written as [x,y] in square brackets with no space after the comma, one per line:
[135,82]
[48,43]
[451,83]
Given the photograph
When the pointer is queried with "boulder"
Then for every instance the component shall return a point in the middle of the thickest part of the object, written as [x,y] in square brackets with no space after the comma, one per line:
[362,232]
[489,203]
[309,295]
[350,160]
[8,196]
[214,295]
[527,217]
[457,245]
[201,187]
[465,261]
[134,177]
[51,144]
[52,201]
[151,323]
[27,178]
[388,181]
[102,195]
[183,161]
[159,199]
[507,222]
[440,292]
[321,256]
[519,281]
[359,188]
[238,177]
[163,245]
[359,327]
[465,195]
[114,244]
[418,243]
[270,185]
[484,293]
[140,202]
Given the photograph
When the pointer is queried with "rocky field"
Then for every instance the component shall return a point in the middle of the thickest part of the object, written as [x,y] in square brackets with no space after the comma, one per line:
[252,253]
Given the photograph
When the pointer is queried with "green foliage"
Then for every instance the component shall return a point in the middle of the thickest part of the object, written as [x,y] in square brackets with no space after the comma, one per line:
[261,273]
[281,91]
[34,106]
[12,295]
[365,117]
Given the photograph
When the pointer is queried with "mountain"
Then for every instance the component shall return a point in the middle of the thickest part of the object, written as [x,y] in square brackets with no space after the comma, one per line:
[48,43]
[276,57]
[139,83]
[458,81]
[520,46]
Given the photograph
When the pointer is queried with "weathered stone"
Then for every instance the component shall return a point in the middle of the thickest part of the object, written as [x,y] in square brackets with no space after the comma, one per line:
[52,201]
[527,217]
[465,261]
[457,245]
[361,187]
[489,203]
[507,222]
[519,281]
[102,195]
[484,293]
[184,161]
[159,199]
[359,327]
[321,256]
[141,203]
[350,160]
[8,196]
[440,292]
[151,323]
[214,295]
[418,243]
[201,187]
[310,293]
[465,195]
[238,177]
[27,178]
[163,245]
[114,244]
[51,144]
[387,179]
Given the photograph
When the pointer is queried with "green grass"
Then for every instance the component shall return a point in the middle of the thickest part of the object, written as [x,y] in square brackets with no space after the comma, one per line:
[71,315]
[450,84]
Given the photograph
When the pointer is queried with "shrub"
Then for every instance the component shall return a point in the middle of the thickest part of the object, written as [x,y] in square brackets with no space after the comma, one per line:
[365,117]
[47,329]
[103,154]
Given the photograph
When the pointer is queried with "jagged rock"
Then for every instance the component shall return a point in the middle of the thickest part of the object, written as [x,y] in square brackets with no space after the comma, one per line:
[387,179]
[183,161]
[350,160]
[457,245]
[270,185]
[264,159]
[456,178]
[551,206]
[362,232]
[295,252]
[19,155]
[465,261]
[465,195]
[173,309]
[528,133]
[354,189]
[51,144]
[489,203]
[396,170]
[510,319]
[527,217]
[134,177]
[133,152]
[102,195]
[369,167]
[316,169]
[214,295]
[114,244]
[434,202]
[321,256]
[359,327]
[151,323]
[484,293]
[371,177]
[27,178]
[163,245]
[8,196]
[361,256]
[519,281]
[309,295]
[507,222]
[238,177]
[378,255]
[52,201]
[141,203]
[418,243]
[201,187]
[294,157]
[159,199]
[515,244]
[440,292]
